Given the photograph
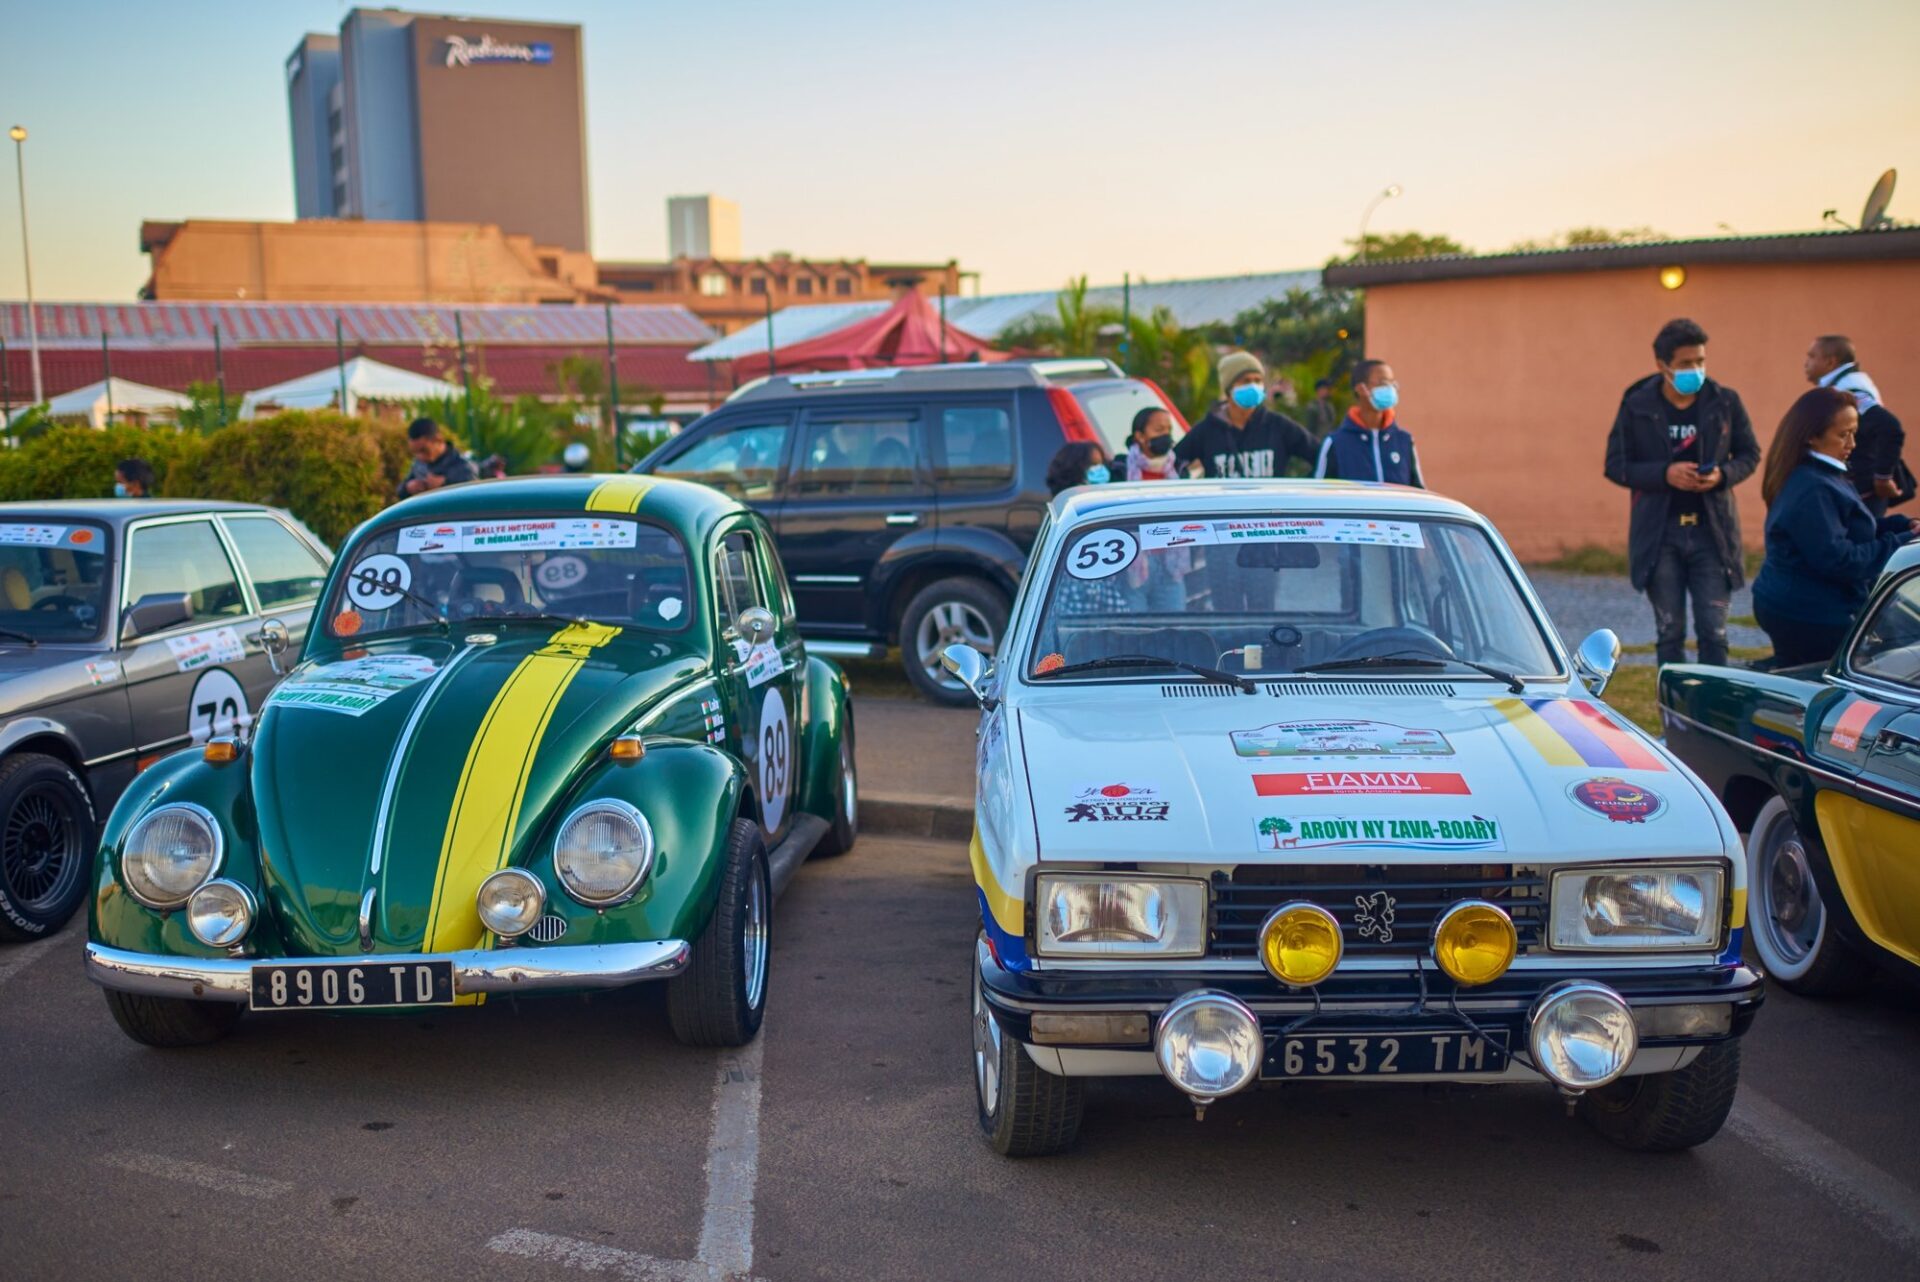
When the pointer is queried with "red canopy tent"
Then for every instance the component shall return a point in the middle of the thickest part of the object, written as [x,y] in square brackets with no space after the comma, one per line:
[907,333]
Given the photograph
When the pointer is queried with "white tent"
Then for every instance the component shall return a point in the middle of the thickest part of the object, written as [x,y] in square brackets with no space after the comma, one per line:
[91,402]
[366,379]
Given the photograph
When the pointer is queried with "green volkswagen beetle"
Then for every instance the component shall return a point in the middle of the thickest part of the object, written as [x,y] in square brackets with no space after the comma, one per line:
[545,735]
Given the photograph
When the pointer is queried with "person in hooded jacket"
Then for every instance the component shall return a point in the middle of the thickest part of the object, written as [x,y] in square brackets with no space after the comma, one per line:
[1370,445]
[1241,436]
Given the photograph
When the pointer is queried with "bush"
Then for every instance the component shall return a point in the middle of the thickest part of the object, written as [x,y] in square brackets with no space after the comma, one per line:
[71,462]
[331,471]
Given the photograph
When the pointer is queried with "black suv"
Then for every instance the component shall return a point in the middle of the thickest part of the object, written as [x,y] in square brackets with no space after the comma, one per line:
[905,501]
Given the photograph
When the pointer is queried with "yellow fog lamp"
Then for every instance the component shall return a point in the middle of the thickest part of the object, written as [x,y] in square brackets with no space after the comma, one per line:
[1300,944]
[1474,942]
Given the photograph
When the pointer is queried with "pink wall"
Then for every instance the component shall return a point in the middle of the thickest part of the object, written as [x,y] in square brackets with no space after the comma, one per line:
[1509,383]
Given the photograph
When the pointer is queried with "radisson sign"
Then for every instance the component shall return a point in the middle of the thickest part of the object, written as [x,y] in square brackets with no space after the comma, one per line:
[463,51]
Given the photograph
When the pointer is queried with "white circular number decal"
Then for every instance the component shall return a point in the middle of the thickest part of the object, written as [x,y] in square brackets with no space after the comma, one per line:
[558,573]
[379,581]
[776,760]
[1101,553]
[218,706]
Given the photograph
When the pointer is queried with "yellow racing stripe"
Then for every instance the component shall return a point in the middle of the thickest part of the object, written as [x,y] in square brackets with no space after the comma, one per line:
[619,494]
[1007,910]
[1545,740]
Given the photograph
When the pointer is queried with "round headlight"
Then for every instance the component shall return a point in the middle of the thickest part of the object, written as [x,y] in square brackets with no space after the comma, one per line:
[603,852]
[1582,1034]
[220,913]
[1300,944]
[1474,942]
[1208,1044]
[169,853]
[510,902]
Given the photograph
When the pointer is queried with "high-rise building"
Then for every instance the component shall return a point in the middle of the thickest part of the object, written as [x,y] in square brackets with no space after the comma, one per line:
[702,227]
[418,118]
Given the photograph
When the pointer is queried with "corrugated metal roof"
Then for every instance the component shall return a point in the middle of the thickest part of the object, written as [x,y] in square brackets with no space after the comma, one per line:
[1208,301]
[191,324]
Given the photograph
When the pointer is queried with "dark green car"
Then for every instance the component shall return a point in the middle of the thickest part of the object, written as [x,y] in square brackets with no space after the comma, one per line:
[549,734]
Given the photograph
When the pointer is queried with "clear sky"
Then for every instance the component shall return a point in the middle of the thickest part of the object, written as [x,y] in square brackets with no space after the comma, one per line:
[1033,140]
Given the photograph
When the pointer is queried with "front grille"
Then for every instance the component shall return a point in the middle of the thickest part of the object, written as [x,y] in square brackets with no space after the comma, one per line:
[1197,691]
[1243,900]
[548,929]
[1352,689]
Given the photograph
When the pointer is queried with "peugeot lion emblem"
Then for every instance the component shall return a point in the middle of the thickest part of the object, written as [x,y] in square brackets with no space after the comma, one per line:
[1373,916]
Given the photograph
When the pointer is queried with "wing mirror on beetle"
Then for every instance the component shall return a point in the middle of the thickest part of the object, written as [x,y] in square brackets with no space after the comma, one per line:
[273,640]
[1596,659]
[755,624]
[155,612]
[968,664]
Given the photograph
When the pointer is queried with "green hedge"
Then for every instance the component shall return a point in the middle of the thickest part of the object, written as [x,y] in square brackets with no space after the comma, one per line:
[77,462]
[331,471]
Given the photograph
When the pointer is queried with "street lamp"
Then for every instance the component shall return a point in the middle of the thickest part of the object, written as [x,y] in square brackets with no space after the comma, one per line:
[1388,193]
[19,135]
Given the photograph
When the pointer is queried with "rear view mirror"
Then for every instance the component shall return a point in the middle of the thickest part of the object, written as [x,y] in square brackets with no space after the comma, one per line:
[155,612]
[1596,659]
[1278,556]
[755,624]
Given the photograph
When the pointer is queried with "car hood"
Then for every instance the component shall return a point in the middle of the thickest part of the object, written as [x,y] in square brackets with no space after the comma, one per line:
[33,675]
[1300,779]
[417,767]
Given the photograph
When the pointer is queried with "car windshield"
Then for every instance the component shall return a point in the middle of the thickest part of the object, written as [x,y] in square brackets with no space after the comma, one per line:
[610,570]
[52,581]
[1267,595]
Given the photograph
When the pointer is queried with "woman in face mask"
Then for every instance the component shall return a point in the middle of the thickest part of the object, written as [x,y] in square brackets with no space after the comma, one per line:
[133,479]
[1150,447]
[1078,463]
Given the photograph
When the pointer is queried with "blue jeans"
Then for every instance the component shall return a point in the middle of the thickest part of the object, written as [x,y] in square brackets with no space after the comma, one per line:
[1689,566]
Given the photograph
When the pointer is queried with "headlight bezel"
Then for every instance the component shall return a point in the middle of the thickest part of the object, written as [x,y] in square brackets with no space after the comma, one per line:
[1715,906]
[650,845]
[1046,881]
[248,914]
[219,860]
[535,888]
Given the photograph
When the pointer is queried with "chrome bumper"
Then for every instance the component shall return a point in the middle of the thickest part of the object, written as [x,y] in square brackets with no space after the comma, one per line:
[475,970]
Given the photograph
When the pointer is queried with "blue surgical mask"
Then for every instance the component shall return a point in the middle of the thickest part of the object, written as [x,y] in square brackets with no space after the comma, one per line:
[119,489]
[1249,395]
[1098,474]
[1688,382]
[1384,397]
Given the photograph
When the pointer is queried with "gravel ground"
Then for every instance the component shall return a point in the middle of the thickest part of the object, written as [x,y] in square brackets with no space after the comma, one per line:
[1580,603]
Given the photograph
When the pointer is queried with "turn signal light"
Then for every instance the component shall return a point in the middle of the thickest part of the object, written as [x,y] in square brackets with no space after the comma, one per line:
[627,748]
[1300,944]
[1474,942]
[220,751]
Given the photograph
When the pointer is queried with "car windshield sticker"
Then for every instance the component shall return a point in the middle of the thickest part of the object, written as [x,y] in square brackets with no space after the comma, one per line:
[379,582]
[670,609]
[763,664]
[549,535]
[1360,530]
[1100,553]
[218,706]
[1123,802]
[1427,832]
[1617,800]
[1340,739]
[204,649]
[1573,732]
[352,686]
[776,760]
[560,573]
[1846,731]
[1332,783]
[17,534]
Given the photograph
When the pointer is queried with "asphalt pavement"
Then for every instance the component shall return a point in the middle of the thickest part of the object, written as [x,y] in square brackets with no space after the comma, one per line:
[570,1138]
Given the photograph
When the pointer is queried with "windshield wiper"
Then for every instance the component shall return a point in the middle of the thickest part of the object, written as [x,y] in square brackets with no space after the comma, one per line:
[1150,661]
[20,636]
[1513,682]
[530,616]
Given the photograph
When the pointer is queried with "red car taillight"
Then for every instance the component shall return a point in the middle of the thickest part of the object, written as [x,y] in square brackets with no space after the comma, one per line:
[1179,419]
[1073,417]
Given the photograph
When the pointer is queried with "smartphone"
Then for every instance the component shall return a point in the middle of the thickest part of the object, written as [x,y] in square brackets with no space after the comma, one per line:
[1708,469]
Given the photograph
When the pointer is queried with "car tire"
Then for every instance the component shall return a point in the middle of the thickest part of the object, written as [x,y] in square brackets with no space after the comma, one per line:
[172,1022]
[47,835]
[943,613]
[1791,928]
[719,999]
[1668,1112]
[1024,1110]
[846,803]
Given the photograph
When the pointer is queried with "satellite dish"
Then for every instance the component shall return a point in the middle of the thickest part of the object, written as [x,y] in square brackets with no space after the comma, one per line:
[1874,216]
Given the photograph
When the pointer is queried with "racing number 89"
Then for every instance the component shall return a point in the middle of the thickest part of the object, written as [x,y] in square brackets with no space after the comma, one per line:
[773,760]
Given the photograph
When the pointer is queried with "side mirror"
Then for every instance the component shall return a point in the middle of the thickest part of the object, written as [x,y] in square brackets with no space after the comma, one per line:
[968,664]
[273,639]
[755,624]
[155,612]
[1596,659]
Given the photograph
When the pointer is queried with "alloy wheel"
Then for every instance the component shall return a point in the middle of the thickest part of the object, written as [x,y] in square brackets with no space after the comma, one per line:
[40,847]
[1791,912]
[754,931]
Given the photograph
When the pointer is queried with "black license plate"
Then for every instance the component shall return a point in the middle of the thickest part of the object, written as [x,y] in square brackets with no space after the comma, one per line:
[1370,1054]
[352,985]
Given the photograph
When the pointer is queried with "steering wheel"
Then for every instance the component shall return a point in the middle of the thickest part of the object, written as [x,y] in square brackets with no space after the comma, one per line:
[471,576]
[59,602]
[1385,641]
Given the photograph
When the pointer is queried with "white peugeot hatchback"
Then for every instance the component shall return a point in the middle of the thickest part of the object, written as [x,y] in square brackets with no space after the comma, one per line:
[1287,781]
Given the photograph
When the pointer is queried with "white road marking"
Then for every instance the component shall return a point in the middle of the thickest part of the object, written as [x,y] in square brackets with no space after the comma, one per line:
[15,958]
[726,1228]
[217,1178]
[1887,1206]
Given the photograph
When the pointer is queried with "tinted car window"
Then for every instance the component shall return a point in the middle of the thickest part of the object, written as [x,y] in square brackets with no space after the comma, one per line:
[184,557]
[742,460]
[1112,405]
[856,456]
[284,570]
[739,581]
[52,580]
[976,448]
[1889,646]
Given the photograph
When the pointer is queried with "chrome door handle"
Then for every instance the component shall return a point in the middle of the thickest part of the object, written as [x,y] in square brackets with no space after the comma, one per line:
[903,518]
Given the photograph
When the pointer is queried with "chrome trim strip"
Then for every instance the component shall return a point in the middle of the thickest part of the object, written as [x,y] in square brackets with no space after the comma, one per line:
[841,649]
[826,578]
[1899,801]
[401,743]
[475,970]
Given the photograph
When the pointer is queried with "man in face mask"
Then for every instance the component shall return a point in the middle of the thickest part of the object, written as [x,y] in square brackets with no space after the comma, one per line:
[1370,445]
[1680,443]
[1241,436]
[1875,465]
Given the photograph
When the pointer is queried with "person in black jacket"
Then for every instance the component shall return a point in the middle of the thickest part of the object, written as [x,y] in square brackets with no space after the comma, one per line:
[1241,436]
[1681,442]
[1824,548]
[435,461]
[1876,449]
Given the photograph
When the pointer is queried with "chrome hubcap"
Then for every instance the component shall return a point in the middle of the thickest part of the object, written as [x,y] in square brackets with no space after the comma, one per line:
[755,931]
[1793,912]
[848,801]
[950,623]
[986,1051]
